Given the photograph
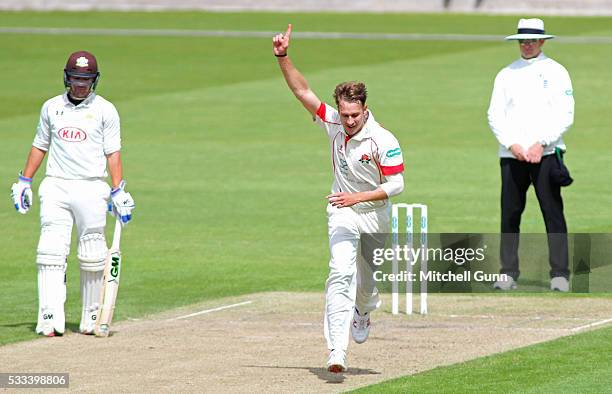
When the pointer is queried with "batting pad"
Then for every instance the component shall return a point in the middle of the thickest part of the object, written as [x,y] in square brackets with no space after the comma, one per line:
[92,252]
[91,287]
[51,298]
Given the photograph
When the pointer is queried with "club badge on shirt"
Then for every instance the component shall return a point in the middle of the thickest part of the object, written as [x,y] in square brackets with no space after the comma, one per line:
[365,159]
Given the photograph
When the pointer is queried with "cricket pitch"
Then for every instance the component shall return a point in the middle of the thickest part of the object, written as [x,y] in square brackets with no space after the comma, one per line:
[273,342]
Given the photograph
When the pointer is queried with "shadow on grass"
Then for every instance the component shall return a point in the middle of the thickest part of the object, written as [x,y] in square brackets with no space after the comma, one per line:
[31,326]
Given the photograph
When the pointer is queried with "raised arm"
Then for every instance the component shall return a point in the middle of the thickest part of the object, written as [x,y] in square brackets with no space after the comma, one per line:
[295,80]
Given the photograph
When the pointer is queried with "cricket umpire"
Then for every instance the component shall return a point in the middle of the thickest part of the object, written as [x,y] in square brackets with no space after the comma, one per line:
[531,107]
[368,168]
[80,130]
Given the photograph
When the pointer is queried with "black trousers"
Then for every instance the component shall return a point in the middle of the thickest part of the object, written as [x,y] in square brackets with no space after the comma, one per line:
[516,178]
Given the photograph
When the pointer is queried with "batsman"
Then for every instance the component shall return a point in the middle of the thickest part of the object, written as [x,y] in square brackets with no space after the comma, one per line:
[368,168]
[80,131]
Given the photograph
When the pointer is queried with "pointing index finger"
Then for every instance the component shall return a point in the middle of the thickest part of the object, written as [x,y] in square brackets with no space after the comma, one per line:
[288,32]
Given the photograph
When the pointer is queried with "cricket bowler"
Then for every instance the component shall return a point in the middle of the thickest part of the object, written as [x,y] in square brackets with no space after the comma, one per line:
[368,169]
[81,132]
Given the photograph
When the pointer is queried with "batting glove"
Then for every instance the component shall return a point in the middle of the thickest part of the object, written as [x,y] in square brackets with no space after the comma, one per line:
[21,193]
[123,203]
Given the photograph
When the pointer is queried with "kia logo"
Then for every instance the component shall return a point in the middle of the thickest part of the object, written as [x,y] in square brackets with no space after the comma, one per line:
[72,134]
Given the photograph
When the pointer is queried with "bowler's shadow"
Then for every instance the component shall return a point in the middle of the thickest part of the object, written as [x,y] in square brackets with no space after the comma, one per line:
[323,373]
[329,377]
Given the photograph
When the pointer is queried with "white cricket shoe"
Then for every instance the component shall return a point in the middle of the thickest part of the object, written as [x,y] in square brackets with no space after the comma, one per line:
[48,324]
[559,283]
[505,284]
[47,330]
[88,319]
[360,327]
[336,362]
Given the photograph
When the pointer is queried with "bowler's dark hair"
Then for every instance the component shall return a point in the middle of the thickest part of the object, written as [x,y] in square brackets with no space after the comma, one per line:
[351,92]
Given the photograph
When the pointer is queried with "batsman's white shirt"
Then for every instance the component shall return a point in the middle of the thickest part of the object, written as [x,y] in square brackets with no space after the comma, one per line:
[532,102]
[361,162]
[78,138]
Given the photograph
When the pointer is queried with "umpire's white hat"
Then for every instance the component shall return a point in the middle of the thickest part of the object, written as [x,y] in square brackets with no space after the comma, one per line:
[530,29]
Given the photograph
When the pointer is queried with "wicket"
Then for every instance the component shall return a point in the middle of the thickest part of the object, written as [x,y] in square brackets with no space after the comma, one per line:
[409,263]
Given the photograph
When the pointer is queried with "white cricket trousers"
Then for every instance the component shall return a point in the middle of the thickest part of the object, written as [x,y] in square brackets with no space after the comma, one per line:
[350,283]
[66,201]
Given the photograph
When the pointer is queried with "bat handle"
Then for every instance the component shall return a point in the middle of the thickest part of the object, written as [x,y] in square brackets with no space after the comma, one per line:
[117,235]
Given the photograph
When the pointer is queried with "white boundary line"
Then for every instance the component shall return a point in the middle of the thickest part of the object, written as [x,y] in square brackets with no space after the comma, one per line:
[598,323]
[269,34]
[211,310]
[534,318]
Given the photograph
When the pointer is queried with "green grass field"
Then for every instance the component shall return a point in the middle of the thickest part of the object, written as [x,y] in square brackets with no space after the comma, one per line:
[576,364]
[228,173]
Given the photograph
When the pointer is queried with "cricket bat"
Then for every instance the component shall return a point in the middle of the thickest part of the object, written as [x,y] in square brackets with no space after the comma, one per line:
[110,285]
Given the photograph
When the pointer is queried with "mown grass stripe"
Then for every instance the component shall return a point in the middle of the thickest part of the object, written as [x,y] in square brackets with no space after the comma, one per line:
[268,34]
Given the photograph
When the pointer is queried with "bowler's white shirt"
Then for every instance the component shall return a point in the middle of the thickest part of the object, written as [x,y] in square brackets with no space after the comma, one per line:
[532,102]
[361,162]
[78,138]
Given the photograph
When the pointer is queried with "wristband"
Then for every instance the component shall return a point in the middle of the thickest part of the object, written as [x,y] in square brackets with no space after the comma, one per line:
[281,55]
[118,188]
[24,178]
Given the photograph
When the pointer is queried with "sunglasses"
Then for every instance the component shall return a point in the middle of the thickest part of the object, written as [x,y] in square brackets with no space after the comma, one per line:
[529,41]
